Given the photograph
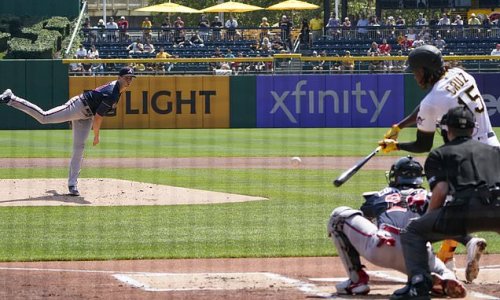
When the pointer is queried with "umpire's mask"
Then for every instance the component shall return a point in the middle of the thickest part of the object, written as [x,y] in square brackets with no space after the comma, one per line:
[459,117]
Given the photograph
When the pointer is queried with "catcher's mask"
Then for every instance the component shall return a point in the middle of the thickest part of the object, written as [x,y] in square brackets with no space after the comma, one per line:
[406,172]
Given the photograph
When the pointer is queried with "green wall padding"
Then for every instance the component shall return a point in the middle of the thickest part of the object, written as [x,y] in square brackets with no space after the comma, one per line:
[243,112]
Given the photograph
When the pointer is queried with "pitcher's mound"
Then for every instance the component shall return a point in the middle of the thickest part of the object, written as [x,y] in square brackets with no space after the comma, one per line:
[106,192]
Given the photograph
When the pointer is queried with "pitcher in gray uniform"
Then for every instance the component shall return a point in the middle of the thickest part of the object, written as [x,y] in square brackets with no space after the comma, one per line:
[85,111]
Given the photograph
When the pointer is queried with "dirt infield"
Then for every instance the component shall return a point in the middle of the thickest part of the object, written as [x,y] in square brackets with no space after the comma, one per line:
[250,278]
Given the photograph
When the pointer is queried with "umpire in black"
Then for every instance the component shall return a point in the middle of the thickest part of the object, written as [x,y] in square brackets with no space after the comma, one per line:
[464,177]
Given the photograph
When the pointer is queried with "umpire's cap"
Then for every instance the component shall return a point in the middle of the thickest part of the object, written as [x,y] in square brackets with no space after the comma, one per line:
[127,71]
[426,56]
[459,117]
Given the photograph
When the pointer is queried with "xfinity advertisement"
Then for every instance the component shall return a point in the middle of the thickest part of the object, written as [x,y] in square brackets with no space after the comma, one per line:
[330,101]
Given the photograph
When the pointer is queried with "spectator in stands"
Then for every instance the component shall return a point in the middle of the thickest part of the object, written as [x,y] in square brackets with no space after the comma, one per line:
[374,32]
[204,26]
[373,49]
[93,52]
[385,48]
[399,65]
[444,21]
[347,63]
[87,68]
[440,42]
[400,21]
[336,66]
[333,26]
[81,52]
[346,27]
[496,51]
[75,67]
[162,67]
[123,27]
[111,30]
[231,26]
[98,67]
[473,20]
[137,66]
[362,25]
[418,42]
[136,47]
[146,29]
[148,48]
[316,27]
[264,32]
[421,4]
[390,23]
[277,44]
[304,34]
[216,26]
[286,27]
[166,30]
[89,35]
[421,21]
[404,42]
[321,65]
[178,28]
[458,21]
[196,40]
[375,65]
[101,30]
[266,45]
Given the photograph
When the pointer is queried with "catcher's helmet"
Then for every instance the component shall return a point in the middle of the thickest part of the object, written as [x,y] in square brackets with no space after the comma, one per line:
[406,172]
[427,57]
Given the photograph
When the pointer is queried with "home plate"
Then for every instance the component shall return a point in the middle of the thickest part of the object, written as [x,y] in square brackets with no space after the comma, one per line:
[205,281]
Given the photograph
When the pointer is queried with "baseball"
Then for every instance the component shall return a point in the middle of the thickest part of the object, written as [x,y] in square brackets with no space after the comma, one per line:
[296,161]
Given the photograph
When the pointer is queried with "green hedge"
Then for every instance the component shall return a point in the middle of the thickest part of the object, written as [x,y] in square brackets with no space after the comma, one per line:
[4,37]
[40,41]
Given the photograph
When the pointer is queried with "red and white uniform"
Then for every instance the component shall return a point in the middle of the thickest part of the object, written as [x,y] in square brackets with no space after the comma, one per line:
[456,87]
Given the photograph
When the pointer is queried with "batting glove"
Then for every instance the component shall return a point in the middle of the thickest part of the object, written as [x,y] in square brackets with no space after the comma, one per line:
[389,145]
[392,133]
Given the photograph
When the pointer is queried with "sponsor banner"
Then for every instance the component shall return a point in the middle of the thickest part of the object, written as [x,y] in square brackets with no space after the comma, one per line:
[330,100]
[490,90]
[166,102]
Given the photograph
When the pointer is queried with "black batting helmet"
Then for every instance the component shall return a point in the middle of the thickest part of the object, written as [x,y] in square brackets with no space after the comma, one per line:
[427,57]
[406,172]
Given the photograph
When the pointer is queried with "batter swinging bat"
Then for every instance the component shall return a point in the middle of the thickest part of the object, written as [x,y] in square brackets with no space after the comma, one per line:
[354,169]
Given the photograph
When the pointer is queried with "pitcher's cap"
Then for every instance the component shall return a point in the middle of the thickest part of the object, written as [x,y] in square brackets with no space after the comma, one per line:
[127,71]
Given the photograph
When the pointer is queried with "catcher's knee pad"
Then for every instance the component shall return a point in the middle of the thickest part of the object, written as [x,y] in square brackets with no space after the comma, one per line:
[338,217]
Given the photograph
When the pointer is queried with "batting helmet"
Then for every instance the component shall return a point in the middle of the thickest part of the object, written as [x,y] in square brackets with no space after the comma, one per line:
[427,57]
[406,172]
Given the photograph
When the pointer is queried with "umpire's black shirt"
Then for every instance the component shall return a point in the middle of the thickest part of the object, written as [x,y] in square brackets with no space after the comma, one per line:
[465,164]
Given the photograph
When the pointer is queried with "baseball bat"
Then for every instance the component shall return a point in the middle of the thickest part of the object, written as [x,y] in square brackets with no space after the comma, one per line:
[354,169]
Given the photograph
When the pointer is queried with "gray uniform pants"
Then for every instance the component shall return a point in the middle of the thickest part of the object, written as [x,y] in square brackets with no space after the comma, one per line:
[76,111]
[449,222]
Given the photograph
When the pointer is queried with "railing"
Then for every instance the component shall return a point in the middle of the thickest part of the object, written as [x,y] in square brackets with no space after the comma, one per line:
[117,4]
[279,63]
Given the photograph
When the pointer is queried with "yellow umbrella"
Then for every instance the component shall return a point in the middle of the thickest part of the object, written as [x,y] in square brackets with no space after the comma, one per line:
[231,7]
[293,5]
[169,7]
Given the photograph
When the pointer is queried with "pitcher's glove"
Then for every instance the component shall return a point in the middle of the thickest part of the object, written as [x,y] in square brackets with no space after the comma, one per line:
[388,145]
[392,133]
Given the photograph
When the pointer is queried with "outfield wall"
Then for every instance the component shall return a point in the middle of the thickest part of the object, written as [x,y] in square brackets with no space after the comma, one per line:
[265,101]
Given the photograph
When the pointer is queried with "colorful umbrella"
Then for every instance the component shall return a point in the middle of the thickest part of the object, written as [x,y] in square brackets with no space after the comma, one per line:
[169,7]
[231,7]
[293,5]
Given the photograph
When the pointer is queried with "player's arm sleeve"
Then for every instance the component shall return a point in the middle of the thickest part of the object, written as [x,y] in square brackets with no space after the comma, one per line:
[423,143]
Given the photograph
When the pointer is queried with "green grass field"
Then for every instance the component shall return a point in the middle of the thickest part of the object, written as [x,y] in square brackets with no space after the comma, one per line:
[291,223]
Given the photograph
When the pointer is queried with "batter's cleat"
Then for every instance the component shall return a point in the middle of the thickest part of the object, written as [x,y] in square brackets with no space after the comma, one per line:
[418,289]
[475,248]
[6,96]
[447,287]
[354,288]
[73,191]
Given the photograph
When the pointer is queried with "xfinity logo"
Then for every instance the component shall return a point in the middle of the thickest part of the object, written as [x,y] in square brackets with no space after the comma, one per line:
[340,99]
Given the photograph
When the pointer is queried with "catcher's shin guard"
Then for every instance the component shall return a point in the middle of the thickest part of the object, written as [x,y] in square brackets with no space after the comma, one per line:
[447,250]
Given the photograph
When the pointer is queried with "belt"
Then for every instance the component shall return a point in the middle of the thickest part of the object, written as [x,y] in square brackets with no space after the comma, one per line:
[86,106]
[390,228]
